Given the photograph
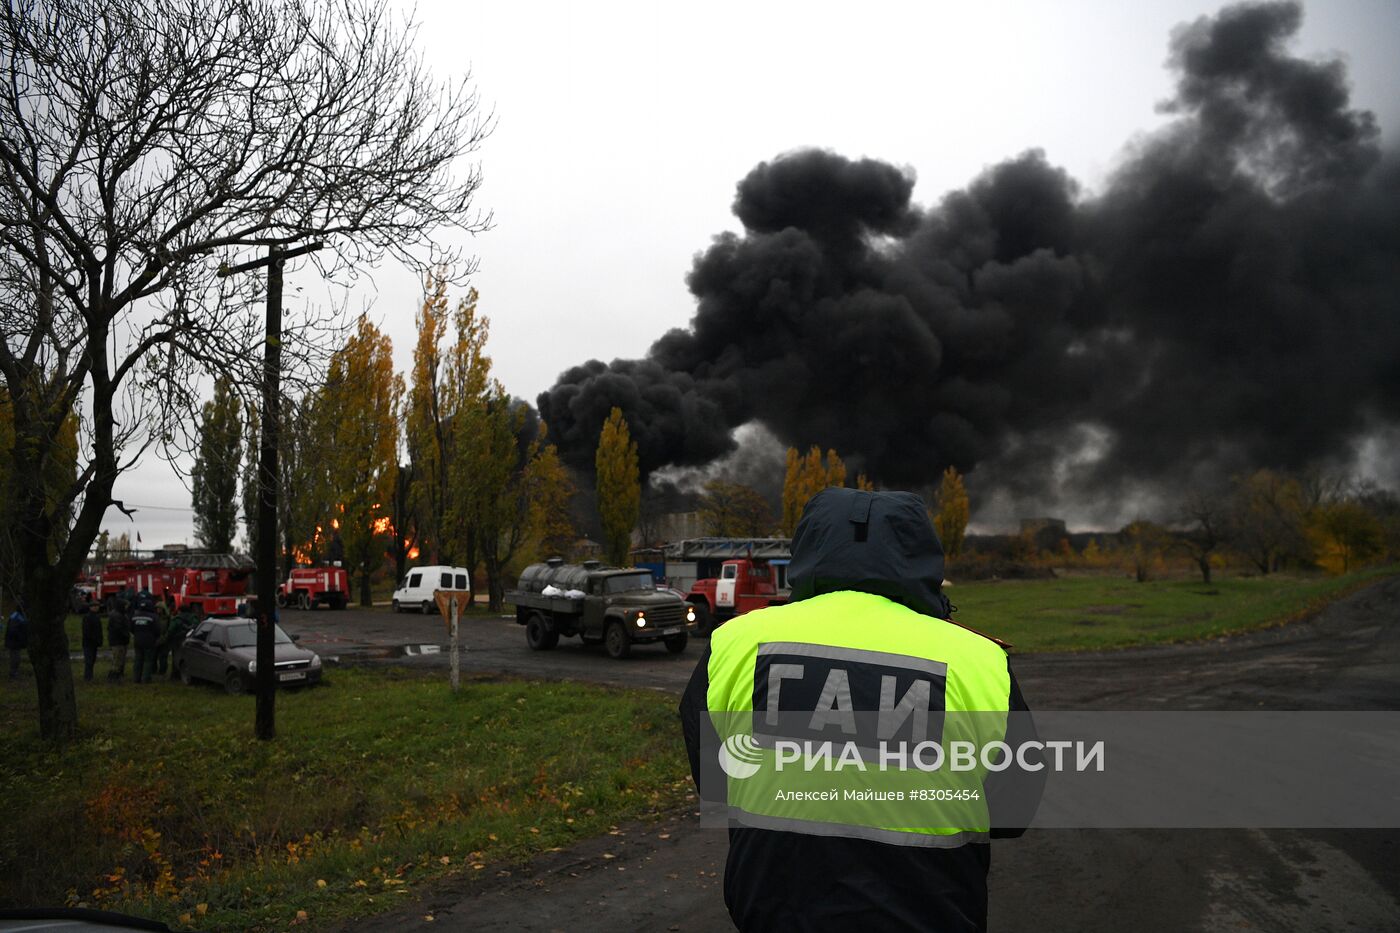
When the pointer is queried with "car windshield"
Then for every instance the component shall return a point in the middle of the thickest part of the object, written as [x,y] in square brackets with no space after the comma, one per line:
[245,635]
[626,582]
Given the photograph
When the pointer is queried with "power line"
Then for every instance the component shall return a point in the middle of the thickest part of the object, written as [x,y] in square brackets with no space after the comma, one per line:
[156,508]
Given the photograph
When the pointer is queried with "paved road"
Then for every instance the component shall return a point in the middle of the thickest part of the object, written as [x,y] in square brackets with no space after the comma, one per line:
[666,876]
[492,644]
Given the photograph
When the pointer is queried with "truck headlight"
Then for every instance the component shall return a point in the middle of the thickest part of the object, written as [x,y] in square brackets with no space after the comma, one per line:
[690,614]
[641,619]
[252,667]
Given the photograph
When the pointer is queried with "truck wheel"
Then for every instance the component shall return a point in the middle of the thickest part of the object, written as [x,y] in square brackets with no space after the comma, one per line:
[538,634]
[303,600]
[233,684]
[703,623]
[616,642]
[428,607]
[185,677]
[676,643]
[397,607]
[281,600]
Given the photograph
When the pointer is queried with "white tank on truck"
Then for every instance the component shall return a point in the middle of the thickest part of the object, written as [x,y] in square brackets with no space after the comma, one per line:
[619,607]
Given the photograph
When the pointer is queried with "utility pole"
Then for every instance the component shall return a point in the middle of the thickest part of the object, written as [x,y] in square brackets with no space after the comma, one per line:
[265,723]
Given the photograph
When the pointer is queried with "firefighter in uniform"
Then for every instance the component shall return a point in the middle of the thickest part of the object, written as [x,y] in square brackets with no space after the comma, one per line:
[180,626]
[164,620]
[145,632]
[867,620]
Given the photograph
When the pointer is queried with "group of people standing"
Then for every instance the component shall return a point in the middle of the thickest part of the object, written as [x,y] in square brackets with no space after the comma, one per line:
[143,623]
[134,620]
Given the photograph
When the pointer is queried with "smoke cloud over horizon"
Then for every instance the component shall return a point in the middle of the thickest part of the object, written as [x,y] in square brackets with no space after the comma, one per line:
[1229,300]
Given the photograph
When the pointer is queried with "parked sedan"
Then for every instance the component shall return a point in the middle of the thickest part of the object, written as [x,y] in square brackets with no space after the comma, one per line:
[225,651]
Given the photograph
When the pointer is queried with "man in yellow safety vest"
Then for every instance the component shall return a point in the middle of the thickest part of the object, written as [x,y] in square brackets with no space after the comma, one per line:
[828,733]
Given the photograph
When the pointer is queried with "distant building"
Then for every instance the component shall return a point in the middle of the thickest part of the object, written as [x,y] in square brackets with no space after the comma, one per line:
[667,527]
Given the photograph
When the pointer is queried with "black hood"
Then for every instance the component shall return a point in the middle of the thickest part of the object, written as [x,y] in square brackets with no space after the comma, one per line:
[873,542]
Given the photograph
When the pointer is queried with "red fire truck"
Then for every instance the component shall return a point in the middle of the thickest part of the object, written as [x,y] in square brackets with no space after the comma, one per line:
[156,576]
[210,591]
[210,584]
[308,587]
[742,586]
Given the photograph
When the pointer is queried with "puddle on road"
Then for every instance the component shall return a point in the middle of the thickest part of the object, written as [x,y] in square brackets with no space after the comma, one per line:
[356,653]
[391,652]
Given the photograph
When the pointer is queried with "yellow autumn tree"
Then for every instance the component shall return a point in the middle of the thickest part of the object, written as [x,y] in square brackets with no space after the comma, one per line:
[490,468]
[549,490]
[834,468]
[1145,542]
[953,512]
[792,508]
[361,401]
[619,487]
[427,429]
[466,395]
[532,501]
[1345,535]
[806,476]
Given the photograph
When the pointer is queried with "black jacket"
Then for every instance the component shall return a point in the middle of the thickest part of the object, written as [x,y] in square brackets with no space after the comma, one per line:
[92,629]
[181,625]
[145,630]
[879,543]
[118,629]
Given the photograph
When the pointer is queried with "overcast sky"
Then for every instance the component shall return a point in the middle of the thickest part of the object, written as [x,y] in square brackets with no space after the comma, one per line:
[623,128]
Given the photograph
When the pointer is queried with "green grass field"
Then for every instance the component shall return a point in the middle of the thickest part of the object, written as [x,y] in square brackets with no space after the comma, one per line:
[1095,612]
[376,783]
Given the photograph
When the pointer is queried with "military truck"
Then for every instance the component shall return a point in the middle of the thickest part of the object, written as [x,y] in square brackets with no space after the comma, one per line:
[617,607]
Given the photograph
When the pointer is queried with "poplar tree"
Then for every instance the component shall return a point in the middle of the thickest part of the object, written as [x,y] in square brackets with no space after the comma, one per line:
[362,397]
[953,512]
[807,476]
[549,491]
[214,477]
[465,395]
[427,423]
[619,487]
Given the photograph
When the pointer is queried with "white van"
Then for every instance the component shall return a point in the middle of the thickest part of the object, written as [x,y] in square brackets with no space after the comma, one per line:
[416,589]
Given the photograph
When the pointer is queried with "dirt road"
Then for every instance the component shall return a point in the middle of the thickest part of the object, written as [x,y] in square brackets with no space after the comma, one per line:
[667,876]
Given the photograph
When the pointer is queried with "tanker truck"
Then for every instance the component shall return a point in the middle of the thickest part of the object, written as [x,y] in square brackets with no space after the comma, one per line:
[616,607]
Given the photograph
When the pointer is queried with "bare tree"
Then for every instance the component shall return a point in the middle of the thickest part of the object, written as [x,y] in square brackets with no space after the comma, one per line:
[1268,514]
[1206,520]
[142,142]
[735,510]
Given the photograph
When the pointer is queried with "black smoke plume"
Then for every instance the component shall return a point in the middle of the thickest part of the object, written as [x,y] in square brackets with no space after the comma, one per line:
[1231,299]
